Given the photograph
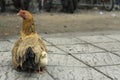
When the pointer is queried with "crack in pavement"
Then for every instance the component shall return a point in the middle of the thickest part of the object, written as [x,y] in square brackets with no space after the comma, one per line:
[87,67]
[51,75]
[79,43]
[112,38]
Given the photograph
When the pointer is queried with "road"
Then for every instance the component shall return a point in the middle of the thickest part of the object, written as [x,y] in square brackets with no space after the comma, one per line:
[71,56]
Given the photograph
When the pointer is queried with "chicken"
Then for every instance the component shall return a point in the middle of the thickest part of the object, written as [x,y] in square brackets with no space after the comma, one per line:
[29,51]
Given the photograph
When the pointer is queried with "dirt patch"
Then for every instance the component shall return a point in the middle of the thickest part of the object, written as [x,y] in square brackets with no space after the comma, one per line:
[85,21]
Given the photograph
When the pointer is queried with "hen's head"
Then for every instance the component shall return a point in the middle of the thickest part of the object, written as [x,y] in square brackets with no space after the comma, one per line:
[26,15]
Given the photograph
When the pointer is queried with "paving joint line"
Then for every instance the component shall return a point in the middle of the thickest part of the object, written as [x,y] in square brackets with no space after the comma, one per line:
[81,60]
[81,43]
[67,44]
[5,51]
[112,38]
[56,53]
[100,48]
[88,67]
[51,75]
[82,53]
[7,41]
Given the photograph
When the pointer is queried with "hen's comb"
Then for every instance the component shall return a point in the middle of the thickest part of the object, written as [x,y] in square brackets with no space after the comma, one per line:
[20,11]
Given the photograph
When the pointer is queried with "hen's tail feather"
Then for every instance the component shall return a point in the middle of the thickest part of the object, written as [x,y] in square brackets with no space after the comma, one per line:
[29,63]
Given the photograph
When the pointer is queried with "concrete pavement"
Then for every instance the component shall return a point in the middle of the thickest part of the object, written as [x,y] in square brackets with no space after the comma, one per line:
[71,57]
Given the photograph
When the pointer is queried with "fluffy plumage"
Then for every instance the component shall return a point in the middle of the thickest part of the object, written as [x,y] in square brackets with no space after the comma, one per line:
[29,51]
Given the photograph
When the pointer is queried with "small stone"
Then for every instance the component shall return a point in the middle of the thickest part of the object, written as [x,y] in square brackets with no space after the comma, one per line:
[6,34]
[65,26]
[113,15]
[46,33]
[101,13]
[17,26]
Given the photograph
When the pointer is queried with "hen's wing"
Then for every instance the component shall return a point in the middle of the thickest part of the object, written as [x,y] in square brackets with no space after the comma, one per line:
[38,47]
[43,46]
[14,53]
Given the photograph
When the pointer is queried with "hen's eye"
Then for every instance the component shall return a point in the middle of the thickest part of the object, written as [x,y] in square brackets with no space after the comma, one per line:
[23,12]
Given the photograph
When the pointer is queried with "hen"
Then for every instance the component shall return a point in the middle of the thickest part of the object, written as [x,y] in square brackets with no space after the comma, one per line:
[29,52]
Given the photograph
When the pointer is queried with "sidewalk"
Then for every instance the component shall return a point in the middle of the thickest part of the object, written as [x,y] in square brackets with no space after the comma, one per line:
[71,57]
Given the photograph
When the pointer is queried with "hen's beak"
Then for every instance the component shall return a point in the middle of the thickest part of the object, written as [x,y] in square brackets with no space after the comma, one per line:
[18,14]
